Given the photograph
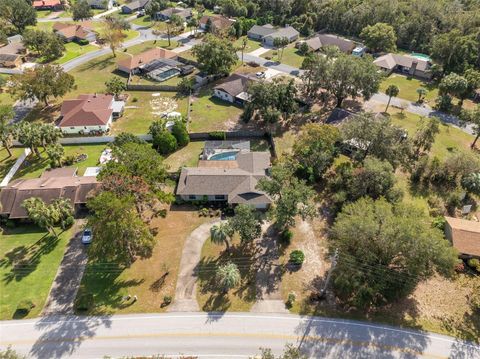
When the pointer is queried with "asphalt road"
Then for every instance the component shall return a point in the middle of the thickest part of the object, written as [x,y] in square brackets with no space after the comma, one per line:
[221,336]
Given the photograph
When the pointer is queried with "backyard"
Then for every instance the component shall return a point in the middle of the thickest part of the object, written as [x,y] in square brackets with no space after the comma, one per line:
[186,156]
[7,162]
[149,279]
[37,256]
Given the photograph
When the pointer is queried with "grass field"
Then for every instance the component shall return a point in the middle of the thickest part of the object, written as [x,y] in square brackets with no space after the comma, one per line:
[408,88]
[251,45]
[73,50]
[43,253]
[146,278]
[209,295]
[33,167]
[5,98]
[7,162]
[290,56]
[147,45]
[185,157]
[143,21]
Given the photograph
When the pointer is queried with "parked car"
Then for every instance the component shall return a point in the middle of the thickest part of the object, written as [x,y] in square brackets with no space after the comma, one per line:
[261,74]
[87,236]
[141,13]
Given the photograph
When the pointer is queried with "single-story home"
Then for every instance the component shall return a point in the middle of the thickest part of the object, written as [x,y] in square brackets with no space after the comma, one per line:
[165,15]
[161,69]
[268,33]
[218,23]
[89,114]
[405,64]
[317,42]
[52,184]
[464,235]
[134,63]
[101,4]
[233,89]
[75,32]
[133,6]
[13,53]
[47,4]
[229,175]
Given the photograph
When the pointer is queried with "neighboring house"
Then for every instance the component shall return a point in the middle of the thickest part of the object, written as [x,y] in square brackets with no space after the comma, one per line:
[229,175]
[134,63]
[267,33]
[166,14]
[162,69]
[317,42]
[406,64]
[47,4]
[101,4]
[219,23]
[75,32]
[464,235]
[89,114]
[13,53]
[233,89]
[135,5]
[52,184]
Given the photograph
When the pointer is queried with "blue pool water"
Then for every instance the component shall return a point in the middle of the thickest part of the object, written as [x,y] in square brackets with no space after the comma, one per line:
[421,56]
[224,156]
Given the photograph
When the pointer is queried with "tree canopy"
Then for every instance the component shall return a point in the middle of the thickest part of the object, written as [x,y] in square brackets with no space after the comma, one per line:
[379,37]
[18,13]
[215,55]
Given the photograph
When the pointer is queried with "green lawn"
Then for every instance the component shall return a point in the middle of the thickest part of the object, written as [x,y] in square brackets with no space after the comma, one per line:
[32,282]
[290,56]
[185,157]
[408,88]
[73,50]
[7,162]
[33,167]
[143,21]
[251,45]
[5,98]
[147,45]
[211,114]
[148,106]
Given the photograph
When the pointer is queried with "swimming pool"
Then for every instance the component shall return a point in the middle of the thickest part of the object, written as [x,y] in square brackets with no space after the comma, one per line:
[224,156]
[421,56]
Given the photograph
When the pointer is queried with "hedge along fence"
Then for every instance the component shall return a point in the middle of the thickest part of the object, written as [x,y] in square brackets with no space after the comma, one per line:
[166,88]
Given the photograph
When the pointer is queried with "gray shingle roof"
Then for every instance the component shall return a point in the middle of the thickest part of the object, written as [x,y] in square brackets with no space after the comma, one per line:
[262,30]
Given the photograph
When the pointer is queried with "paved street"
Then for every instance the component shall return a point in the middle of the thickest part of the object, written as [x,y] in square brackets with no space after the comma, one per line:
[221,336]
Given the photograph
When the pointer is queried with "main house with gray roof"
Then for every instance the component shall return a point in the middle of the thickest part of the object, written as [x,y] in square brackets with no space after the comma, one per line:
[268,33]
[229,174]
[405,64]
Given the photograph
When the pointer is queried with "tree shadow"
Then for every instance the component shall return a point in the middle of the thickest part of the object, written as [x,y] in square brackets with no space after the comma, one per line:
[62,337]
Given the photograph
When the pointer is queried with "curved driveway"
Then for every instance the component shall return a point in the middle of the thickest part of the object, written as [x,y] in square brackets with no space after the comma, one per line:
[231,335]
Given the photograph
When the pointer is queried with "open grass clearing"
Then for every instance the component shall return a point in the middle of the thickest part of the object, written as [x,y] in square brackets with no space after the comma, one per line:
[408,87]
[290,56]
[213,298]
[187,156]
[33,166]
[146,278]
[73,50]
[41,255]
[251,44]
[6,161]
[143,21]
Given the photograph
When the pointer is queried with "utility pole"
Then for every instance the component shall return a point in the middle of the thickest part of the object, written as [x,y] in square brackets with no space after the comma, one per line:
[329,275]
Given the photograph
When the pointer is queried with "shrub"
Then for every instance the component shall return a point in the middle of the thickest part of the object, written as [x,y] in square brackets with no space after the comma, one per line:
[217,135]
[83,42]
[459,267]
[135,99]
[167,299]
[474,263]
[10,224]
[204,212]
[291,299]
[185,86]
[69,160]
[69,221]
[165,142]
[84,302]
[24,307]
[444,103]
[297,257]
[286,236]
[439,222]
[179,131]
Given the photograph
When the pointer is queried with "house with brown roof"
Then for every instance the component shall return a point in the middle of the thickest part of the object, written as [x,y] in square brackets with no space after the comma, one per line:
[218,23]
[405,64]
[89,114]
[229,175]
[134,63]
[464,235]
[75,32]
[321,40]
[13,53]
[47,4]
[53,184]
[233,89]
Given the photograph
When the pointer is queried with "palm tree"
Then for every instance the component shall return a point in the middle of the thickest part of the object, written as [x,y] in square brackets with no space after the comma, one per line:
[244,45]
[173,26]
[422,92]
[65,210]
[49,134]
[6,130]
[55,154]
[42,215]
[221,234]
[228,276]
[29,134]
[391,91]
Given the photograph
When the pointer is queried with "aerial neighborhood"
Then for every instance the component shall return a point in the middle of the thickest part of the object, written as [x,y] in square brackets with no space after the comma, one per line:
[239,161]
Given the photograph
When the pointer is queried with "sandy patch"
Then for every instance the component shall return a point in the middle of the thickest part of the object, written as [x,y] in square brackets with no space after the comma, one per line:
[162,105]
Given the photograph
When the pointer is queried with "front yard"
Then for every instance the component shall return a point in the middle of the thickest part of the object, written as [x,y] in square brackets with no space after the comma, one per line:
[408,88]
[29,259]
[149,279]
[290,56]
[73,50]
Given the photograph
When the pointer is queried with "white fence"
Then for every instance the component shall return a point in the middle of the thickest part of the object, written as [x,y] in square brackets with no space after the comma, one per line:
[15,167]
[87,140]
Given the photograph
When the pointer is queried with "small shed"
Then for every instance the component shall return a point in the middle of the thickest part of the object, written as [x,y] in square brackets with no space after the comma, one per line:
[464,235]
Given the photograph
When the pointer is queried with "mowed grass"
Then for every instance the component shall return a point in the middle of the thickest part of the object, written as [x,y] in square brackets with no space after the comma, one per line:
[210,295]
[185,157]
[5,98]
[209,113]
[290,56]
[408,88]
[33,166]
[149,279]
[43,253]
[147,45]
[251,45]
[6,161]
[73,50]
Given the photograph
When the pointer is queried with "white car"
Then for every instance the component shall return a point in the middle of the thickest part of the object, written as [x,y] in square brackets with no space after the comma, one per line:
[261,74]
[87,236]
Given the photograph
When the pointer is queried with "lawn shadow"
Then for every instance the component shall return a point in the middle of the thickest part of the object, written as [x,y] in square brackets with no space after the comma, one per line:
[33,163]
[60,338]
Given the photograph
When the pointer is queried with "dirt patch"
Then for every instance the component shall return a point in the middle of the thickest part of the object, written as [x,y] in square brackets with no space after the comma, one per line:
[161,105]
